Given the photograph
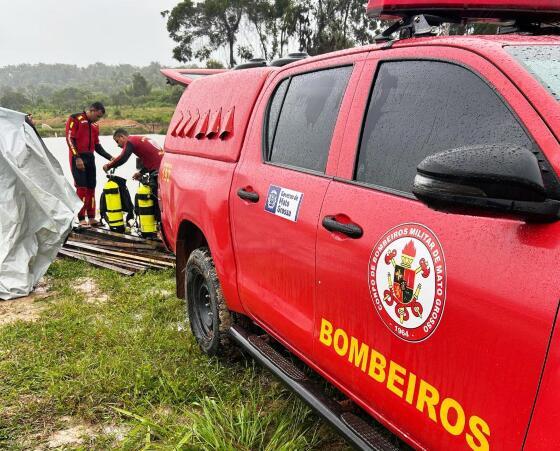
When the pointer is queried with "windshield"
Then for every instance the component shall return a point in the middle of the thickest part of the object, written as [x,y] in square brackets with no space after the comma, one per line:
[541,61]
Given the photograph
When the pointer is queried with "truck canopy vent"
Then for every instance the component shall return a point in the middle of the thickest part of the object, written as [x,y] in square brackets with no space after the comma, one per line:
[261,62]
[289,59]
[255,62]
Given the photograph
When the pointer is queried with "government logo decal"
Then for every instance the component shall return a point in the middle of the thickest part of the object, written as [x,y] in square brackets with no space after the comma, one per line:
[407,281]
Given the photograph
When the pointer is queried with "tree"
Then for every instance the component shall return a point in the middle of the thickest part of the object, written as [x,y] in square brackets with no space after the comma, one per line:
[210,23]
[275,22]
[214,64]
[329,25]
[314,26]
[14,100]
[139,86]
[72,99]
[120,98]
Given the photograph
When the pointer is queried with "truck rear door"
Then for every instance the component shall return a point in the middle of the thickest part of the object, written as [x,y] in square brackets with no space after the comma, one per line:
[278,189]
[435,323]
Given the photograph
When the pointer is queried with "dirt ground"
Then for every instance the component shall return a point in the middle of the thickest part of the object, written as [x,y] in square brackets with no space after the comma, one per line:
[26,308]
[77,432]
[72,435]
[88,287]
[29,307]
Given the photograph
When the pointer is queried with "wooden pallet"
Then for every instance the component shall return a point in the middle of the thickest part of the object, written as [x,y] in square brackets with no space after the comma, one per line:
[125,254]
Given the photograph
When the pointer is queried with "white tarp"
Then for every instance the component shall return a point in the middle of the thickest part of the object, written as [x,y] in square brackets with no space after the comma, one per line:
[37,206]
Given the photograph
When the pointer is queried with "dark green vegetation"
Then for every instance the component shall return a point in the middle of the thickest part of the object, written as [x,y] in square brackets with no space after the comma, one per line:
[116,356]
[64,87]
[278,26]
[136,98]
[245,28]
[272,28]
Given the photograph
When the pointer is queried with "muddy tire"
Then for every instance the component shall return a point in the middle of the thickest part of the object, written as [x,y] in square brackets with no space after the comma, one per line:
[209,316]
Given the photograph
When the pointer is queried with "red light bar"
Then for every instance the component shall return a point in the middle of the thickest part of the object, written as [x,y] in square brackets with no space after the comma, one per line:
[540,10]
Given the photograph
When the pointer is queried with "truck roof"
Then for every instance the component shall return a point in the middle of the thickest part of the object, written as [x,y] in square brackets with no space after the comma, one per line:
[472,42]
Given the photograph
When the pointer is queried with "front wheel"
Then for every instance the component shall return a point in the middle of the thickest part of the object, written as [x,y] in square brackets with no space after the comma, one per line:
[208,314]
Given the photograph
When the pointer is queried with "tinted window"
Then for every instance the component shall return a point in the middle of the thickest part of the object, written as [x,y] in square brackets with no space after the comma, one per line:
[274,110]
[419,108]
[307,118]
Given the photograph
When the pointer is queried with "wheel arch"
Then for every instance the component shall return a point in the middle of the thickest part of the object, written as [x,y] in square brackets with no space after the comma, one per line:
[189,238]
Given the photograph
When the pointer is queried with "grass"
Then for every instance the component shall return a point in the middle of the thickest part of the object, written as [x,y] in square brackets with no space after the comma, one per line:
[129,363]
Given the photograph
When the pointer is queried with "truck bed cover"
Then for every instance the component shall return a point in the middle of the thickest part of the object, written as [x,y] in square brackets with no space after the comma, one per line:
[213,114]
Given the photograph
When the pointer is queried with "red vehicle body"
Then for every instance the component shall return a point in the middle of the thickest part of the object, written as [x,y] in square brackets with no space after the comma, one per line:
[478,365]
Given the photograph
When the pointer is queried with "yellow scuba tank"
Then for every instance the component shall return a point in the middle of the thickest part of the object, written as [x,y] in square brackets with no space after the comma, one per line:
[114,213]
[145,211]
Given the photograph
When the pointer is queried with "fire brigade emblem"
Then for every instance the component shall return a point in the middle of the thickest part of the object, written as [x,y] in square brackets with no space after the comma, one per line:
[407,281]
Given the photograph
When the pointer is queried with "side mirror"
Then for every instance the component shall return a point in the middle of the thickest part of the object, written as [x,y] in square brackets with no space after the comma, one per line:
[497,178]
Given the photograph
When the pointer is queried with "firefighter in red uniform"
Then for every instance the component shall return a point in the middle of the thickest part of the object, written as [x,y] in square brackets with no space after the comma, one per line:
[148,152]
[82,136]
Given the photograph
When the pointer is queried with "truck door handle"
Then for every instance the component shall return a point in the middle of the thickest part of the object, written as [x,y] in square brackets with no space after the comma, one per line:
[250,196]
[353,231]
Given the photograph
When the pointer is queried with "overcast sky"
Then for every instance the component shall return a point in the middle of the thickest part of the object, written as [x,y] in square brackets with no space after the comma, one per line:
[84,32]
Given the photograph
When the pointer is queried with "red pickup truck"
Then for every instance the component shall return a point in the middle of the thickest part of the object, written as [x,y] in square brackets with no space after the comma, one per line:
[389,215]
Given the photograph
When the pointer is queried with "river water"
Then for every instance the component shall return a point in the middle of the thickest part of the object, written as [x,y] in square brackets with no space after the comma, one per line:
[59,149]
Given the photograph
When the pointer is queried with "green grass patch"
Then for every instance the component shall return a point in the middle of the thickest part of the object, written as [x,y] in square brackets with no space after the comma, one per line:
[143,114]
[127,361]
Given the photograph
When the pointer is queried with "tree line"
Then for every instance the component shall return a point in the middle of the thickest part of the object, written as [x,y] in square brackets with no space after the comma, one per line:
[65,87]
[271,28]
[245,28]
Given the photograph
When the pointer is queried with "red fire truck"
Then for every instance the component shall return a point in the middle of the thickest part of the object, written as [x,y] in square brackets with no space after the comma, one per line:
[388,215]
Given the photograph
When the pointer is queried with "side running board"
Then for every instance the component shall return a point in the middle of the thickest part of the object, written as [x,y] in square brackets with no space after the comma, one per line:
[359,433]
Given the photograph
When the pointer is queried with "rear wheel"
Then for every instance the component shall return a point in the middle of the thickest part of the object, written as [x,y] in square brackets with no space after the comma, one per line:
[208,314]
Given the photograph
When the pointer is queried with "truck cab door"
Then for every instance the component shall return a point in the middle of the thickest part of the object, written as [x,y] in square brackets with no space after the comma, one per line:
[277,192]
[437,324]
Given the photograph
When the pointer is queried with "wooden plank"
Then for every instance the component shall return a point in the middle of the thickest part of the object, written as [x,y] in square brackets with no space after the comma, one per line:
[142,258]
[140,252]
[125,269]
[95,231]
[125,262]
[151,254]
[95,262]
[105,233]
[158,243]
[157,251]
[105,242]
[121,261]
[77,244]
